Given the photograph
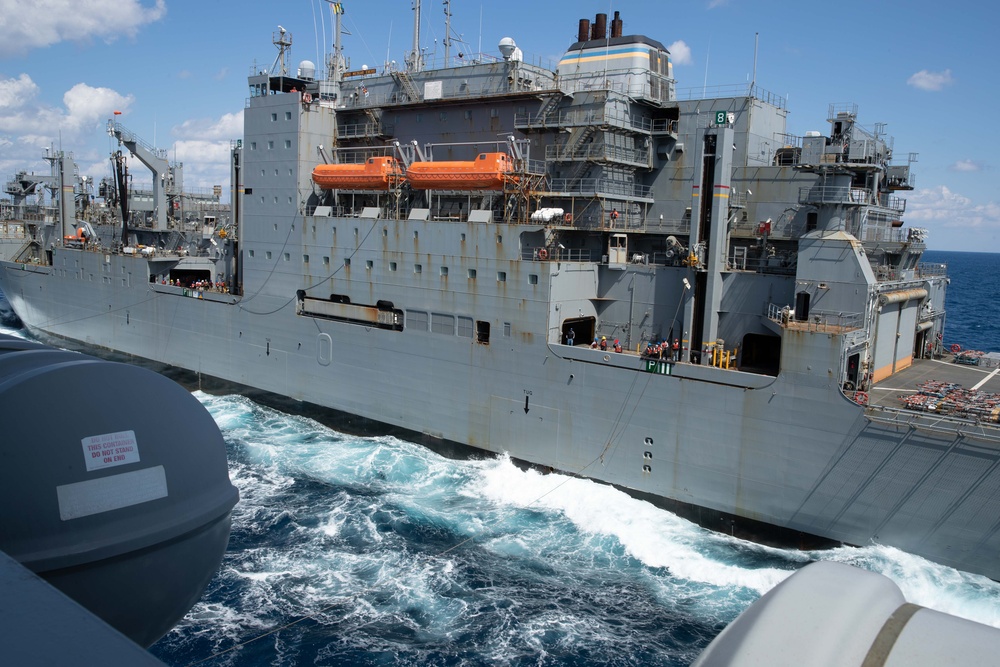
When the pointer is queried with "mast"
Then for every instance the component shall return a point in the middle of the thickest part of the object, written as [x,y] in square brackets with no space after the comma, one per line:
[447,31]
[338,49]
[414,60]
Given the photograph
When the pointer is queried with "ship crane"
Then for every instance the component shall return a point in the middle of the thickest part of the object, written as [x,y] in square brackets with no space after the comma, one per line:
[155,160]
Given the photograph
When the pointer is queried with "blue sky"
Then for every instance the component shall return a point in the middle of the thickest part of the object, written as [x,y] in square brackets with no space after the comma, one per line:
[177,70]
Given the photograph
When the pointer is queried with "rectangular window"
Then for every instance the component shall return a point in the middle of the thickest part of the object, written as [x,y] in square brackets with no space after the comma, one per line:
[465,327]
[506,329]
[392,266]
[326,261]
[472,274]
[369,264]
[288,143]
[288,115]
[443,324]
[501,276]
[417,268]
[468,114]
[288,256]
[251,253]
[444,271]
[416,319]
[253,145]
[305,259]
[532,279]
[270,145]
[274,117]
[483,332]
[347,261]
[267,254]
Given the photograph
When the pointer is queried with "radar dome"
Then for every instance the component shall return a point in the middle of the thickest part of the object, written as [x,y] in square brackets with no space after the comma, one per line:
[307,69]
[507,47]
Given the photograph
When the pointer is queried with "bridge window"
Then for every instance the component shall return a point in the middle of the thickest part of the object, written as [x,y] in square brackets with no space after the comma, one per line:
[443,324]
[416,319]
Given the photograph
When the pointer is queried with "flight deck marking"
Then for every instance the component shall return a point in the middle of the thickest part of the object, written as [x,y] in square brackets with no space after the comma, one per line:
[986,379]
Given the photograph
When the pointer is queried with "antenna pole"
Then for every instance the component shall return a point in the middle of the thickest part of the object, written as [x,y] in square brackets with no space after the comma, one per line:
[338,49]
[447,31]
[415,64]
[753,80]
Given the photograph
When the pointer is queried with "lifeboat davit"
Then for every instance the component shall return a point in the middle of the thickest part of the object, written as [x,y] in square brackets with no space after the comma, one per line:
[487,172]
[373,174]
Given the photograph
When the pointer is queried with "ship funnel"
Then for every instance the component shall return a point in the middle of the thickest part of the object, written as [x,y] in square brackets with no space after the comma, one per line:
[583,34]
[600,28]
[616,25]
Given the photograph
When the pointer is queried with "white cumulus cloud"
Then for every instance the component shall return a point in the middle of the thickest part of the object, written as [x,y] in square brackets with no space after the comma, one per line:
[966,165]
[229,126]
[933,81]
[680,53]
[940,205]
[41,23]
[203,145]
[16,93]
[37,124]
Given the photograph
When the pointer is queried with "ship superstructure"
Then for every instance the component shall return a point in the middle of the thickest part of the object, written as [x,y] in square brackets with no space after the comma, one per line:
[458,249]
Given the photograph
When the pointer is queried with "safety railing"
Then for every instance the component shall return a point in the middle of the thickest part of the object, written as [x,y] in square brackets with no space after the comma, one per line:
[820,321]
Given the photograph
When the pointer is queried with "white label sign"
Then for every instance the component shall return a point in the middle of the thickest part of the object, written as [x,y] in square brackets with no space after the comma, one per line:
[104,494]
[110,449]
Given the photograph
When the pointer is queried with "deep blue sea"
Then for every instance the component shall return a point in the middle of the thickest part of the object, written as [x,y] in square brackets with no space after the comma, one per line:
[376,551]
[973,301]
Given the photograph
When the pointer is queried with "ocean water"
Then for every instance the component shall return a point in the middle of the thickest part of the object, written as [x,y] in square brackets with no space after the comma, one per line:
[376,551]
[973,299]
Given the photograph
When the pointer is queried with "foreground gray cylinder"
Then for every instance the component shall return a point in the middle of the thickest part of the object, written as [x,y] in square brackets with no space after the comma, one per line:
[834,615]
[116,485]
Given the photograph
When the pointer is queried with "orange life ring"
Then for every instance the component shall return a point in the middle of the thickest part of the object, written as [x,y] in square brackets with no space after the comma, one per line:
[955,348]
[307,98]
[861,398]
[568,217]
[543,254]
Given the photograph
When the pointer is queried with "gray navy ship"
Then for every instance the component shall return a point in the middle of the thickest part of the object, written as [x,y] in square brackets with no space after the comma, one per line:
[579,265]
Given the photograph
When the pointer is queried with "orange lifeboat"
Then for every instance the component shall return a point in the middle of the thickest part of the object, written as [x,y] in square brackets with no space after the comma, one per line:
[373,174]
[487,172]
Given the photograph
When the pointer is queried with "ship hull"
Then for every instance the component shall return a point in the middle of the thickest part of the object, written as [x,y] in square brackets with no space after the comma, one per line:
[790,451]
